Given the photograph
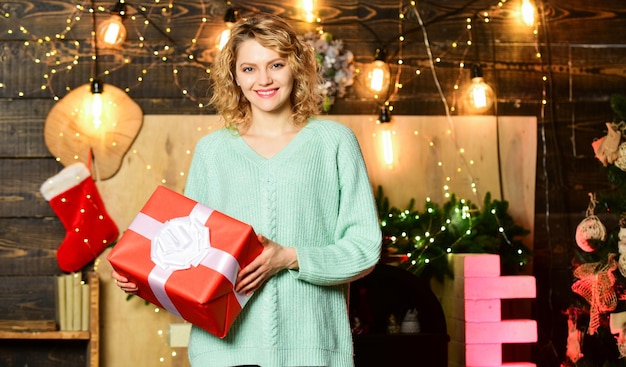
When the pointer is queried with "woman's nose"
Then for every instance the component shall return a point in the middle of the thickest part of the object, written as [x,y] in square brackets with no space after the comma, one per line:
[265,78]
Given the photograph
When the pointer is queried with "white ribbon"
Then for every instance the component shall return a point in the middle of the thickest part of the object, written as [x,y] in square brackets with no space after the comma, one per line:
[180,243]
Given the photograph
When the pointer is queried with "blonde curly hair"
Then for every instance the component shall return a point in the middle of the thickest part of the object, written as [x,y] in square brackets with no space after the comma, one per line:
[275,33]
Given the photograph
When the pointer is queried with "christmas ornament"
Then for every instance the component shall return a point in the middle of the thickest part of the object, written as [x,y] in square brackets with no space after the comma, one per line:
[392,325]
[75,199]
[606,148]
[621,245]
[621,264]
[410,324]
[590,228]
[595,284]
[617,322]
[620,162]
[574,339]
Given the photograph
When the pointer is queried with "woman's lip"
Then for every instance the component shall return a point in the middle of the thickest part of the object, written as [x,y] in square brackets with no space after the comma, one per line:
[267,92]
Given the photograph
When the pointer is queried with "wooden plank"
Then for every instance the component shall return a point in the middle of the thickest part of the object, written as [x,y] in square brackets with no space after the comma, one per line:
[21,127]
[20,181]
[28,297]
[42,353]
[517,153]
[28,246]
[45,335]
[93,279]
[28,325]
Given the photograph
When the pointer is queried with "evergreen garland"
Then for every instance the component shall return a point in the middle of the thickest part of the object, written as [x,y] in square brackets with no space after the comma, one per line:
[420,240]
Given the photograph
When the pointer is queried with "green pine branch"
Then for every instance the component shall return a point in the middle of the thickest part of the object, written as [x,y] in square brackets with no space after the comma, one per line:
[424,238]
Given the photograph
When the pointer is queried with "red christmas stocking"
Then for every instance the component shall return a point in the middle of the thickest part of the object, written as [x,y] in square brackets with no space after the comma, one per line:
[75,199]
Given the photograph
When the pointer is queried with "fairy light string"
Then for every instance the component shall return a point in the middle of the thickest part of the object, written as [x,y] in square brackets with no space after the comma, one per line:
[422,249]
[59,55]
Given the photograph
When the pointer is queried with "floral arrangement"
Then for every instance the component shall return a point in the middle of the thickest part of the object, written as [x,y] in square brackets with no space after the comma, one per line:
[337,66]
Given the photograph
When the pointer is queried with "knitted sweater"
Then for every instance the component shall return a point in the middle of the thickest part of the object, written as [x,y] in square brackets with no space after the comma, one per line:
[313,195]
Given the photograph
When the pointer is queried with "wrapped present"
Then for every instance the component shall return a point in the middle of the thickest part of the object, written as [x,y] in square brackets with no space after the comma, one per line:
[185,257]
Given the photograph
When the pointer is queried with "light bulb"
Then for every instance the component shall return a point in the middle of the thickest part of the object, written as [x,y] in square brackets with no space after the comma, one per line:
[96,109]
[230,18]
[112,32]
[309,10]
[222,38]
[378,78]
[528,13]
[480,96]
[92,114]
[387,147]
[386,137]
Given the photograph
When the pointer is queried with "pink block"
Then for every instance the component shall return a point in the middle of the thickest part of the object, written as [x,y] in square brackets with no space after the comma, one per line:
[483,354]
[504,287]
[507,364]
[486,310]
[482,265]
[506,331]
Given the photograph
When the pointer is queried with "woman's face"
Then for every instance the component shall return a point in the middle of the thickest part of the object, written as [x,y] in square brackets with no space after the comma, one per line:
[264,77]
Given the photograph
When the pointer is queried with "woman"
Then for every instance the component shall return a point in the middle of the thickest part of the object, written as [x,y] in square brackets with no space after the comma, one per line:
[302,184]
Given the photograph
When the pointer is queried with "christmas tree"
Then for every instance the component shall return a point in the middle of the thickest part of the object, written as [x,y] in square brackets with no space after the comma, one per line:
[597,314]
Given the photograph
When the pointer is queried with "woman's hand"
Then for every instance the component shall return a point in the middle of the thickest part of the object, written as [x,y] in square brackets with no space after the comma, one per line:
[273,259]
[124,283]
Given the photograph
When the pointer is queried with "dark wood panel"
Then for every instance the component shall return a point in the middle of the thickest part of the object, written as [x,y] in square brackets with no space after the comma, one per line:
[43,353]
[28,298]
[21,128]
[20,181]
[28,246]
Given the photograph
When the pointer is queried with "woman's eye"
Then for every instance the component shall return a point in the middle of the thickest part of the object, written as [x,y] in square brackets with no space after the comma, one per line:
[278,65]
[247,69]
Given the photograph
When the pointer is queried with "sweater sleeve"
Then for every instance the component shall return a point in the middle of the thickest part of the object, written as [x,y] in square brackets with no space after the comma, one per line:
[357,236]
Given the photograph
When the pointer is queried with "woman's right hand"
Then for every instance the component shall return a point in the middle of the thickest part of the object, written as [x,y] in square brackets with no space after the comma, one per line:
[124,284]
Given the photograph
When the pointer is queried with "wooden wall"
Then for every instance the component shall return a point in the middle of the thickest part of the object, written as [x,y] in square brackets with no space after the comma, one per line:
[583,61]
[164,147]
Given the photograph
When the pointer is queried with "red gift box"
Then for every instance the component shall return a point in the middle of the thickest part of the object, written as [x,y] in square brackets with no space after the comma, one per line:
[184,257]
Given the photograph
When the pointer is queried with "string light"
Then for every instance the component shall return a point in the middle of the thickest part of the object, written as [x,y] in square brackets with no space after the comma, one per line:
[480,95]
[189,69]
[112,33]
[378,75]
[440,230]
[45,51]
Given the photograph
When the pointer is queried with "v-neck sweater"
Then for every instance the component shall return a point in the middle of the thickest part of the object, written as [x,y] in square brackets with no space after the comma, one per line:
[313,195]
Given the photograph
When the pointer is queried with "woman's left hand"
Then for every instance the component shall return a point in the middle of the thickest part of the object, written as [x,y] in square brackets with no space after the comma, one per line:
[273,259]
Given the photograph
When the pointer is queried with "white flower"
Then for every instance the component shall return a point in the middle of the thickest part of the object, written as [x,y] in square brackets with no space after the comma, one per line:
[337,66]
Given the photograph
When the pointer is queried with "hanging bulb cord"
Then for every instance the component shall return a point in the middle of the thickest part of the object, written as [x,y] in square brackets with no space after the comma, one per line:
[94,43]
[431,61]
[400,56]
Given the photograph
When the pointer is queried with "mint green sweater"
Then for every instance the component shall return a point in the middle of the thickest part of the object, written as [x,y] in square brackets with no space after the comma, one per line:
[313,195]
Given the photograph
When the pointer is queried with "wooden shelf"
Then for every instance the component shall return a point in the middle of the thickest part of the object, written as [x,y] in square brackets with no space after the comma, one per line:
[91,337]
[51,335]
